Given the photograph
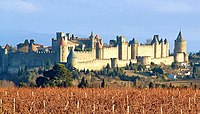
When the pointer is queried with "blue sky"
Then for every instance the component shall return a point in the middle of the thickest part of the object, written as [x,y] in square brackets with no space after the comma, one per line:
[141,19]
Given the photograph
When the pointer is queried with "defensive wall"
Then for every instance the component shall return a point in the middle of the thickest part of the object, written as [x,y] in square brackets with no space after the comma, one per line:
[93,64]
[85,55]
[146,50]
[109,52]
[99,64]
[166,60]
[146,60]
[31,59]
[154,51]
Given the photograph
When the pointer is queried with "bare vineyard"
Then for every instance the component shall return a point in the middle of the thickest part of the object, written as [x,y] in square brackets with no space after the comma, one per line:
[87,101]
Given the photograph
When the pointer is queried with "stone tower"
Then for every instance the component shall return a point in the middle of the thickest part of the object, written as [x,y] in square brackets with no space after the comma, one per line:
[180,44]
[180,52]
[99,51]
[71,59]
[167,47]
[122,48]
[92,40]
[163,48]
[61,47]
[155,42]
[68,36]
[134,49]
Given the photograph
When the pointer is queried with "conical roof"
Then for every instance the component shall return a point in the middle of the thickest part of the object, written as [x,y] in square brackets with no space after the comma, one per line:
[133,41]
[161,40]
[180,36]
[155,39]
[165,41]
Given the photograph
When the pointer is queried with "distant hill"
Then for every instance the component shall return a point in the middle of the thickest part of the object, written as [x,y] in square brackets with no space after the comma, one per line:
[12,37]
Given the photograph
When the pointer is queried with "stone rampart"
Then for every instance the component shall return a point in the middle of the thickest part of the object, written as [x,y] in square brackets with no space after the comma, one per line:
[85,55]
[166,60]
[110,52]
[146,50]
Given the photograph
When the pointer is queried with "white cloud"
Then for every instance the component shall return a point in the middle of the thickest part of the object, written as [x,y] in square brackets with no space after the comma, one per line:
[24,6]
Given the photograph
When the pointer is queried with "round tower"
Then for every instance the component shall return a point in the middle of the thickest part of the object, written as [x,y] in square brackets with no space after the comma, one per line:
[92,40]
[180,44]
[163,48]
[180,53]
[156,44]
[99,50]
[63,50]
[167,47]
[72,59]
[134,49]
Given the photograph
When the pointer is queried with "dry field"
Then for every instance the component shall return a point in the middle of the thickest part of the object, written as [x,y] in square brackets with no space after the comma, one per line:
[179,83]
[87,101]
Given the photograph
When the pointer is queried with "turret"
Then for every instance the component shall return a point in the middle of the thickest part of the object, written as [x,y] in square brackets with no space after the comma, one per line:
[180,44]
[32,41]
[54,44]
[63,52]
[26,42]
[99,50]
[163,48]
[73,37]
[32,47]
[61,47]
[92,40]
[92,35]
[134,48]
[59,35]
[180,53]
[71,59]
[68,36]
[157,49]
[122,48]
[167,47]
[155,39]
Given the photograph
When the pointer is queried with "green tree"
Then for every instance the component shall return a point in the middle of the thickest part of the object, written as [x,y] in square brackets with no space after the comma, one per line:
[59,76]
[42,81]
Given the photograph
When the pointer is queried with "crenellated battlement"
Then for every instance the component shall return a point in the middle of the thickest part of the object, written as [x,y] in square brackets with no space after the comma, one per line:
[118,53]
